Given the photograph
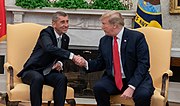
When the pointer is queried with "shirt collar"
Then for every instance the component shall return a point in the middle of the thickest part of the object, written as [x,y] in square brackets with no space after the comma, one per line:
[120,34]
[57,35]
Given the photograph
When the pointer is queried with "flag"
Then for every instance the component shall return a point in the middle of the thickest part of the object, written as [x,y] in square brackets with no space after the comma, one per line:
[148,14]
[2,20]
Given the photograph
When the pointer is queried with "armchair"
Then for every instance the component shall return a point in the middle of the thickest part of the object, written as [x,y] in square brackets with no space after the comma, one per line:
[21,39]
[159,42]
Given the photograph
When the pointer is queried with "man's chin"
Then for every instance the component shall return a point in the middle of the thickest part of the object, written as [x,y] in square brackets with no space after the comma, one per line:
[64,31]
[106,33]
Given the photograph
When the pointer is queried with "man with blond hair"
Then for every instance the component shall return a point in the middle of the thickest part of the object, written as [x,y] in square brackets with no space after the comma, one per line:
[124,55]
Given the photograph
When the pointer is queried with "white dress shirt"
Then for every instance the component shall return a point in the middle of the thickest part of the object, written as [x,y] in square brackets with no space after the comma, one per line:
[57,37]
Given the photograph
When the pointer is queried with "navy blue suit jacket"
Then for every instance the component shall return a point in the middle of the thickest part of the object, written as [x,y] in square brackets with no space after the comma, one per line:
[134,56]
[46,51]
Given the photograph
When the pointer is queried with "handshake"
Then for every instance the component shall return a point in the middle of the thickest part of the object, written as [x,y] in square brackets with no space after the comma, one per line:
[79,60]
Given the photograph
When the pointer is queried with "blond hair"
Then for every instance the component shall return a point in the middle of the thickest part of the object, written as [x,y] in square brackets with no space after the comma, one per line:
[115,17]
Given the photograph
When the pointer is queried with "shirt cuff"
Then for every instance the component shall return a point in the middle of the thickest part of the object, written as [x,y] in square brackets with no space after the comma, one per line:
[60,64]
[71,56]
[86,65]
[132,87]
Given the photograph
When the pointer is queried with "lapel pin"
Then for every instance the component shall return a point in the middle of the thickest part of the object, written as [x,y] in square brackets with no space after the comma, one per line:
[125,40]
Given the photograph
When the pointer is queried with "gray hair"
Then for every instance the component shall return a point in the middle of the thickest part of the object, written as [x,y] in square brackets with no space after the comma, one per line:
[115,17]
[57,14]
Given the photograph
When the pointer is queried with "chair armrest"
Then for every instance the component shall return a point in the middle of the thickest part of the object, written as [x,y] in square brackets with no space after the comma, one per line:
[165,77]
[169,72]
[10,70]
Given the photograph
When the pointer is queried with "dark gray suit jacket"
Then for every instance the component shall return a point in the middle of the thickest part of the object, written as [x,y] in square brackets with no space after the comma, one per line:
[46,51]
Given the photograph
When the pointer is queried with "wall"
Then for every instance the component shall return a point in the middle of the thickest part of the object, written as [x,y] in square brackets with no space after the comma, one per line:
[84,25]
[84,31]
[169,22]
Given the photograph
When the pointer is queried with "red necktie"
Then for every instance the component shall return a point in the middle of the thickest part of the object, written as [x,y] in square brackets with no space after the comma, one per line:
[117,67]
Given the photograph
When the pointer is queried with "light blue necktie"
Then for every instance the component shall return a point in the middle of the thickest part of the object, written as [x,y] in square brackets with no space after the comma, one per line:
[59,42]
[48,69]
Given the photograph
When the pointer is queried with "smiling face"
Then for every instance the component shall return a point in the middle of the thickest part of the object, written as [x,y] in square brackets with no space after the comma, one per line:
[61,25]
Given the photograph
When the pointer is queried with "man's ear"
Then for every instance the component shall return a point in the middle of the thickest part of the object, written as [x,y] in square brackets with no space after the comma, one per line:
[53,23]
[114,26]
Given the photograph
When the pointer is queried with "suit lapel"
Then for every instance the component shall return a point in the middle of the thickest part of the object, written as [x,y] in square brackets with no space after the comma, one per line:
[110,45]
[109,49]
[64,42]
[51,31]
[124,42]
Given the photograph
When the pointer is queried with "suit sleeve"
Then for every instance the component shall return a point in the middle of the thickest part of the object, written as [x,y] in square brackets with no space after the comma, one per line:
[97,64]
[142,61]
[48,44]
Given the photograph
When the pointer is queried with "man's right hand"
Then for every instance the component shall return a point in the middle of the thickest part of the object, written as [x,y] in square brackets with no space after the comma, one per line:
[79,60]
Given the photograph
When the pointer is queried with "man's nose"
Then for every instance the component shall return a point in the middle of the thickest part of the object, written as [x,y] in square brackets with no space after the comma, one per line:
[66,24]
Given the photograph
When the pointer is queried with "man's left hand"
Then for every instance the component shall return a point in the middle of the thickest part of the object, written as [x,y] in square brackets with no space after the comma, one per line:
[128,93]
[58,66]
